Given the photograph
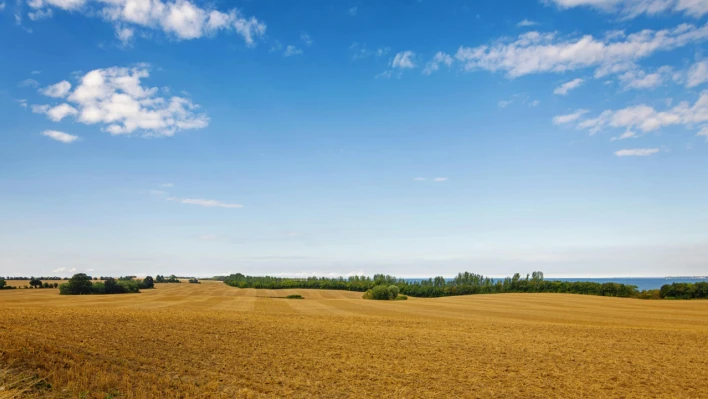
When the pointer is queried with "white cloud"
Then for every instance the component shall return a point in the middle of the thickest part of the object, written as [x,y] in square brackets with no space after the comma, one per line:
[28,83]
[158,192]
[526,22]
[2,6]
[60,136]
[36,72]
[205,202]
[291,50]
[638,79]
[403,60]
[646,119]
[59,90]
[115,98]
[535,52]
[568,86]
[361,51]
[208,237]
[353,11]
[568,118]
[124,35]
[89,270]
[180,19]
[633,8]
[306,39]
[504,103]
[698,74]
[73,269]
[59,270]
[703,132]
[440,179]
[57,113]
[167,185]
[434,64]
[534,103]
[384,75]
[637,152]
[22,102]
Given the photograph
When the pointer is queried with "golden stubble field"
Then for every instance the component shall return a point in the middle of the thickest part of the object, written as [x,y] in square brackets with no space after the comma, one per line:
[211,340]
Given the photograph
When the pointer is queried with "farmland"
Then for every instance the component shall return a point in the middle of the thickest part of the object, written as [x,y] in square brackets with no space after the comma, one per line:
[212,340]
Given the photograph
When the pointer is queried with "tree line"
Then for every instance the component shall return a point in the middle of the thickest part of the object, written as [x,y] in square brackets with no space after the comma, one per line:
[81,284]
[467,284]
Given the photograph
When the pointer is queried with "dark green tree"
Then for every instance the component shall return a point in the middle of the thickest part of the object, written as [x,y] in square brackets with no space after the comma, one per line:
[79,284]
[2,283]
[35,282]
[148,282]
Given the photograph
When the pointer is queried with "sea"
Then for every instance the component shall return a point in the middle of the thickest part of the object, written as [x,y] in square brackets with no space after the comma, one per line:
[642,283]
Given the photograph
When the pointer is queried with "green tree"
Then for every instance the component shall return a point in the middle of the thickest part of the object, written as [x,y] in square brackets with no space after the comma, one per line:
[148,282]
[393,292]
[2,283]
[111,286]
[79,284]
[35,282]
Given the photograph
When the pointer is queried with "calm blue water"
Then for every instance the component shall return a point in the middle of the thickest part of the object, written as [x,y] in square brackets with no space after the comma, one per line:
[642,283]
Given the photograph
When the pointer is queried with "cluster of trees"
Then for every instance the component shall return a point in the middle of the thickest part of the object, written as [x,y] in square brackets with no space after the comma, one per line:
[465,284]
[384,293]
[171,279]
[685,290]
[194,281]
[30,278]
[81,284]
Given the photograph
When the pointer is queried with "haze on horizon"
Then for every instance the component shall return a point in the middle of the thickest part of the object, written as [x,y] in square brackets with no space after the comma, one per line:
[307,138]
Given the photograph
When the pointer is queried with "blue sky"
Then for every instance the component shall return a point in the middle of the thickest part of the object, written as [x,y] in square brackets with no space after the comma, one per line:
[415,138]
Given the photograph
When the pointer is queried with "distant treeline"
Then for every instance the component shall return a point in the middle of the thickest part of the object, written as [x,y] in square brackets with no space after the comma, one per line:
[170,279]
[468,284]
[31,278]
[81,284]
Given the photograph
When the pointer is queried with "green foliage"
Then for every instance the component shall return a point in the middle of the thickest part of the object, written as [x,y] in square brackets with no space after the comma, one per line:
[401,298]
[295,296]
[147,283]
[171,279]
[81,284]
[393,291]
[194,281]
[684,291]
[35,282]
[3,283]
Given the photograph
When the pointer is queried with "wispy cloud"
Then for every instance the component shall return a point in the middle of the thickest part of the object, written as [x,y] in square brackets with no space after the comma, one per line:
[504,103]
[637,152]
[434,64]
[28,83]
[166,185]
[569,118]
[291,50]
[306,39]
[440,179]
[568,86]
[526,22]
[59,270]
[204,202]
[60,136]
[353,11]
[404,60]
[633,8]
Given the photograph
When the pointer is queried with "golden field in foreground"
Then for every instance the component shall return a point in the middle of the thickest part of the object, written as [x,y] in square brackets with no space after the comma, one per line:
[211,340]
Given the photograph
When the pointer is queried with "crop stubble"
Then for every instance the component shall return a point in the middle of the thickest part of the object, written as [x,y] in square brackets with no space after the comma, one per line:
[211,340]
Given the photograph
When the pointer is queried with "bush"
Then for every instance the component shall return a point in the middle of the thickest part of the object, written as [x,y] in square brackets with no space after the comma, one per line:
[393,291]
[382,293]
[2,283]
[295,296]
[401,298]
[147,283]
[81,284]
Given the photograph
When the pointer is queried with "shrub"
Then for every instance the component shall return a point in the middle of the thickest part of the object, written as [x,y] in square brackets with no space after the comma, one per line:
[401,298]
[2,283]
[147,283]
[393,292]
[295,296]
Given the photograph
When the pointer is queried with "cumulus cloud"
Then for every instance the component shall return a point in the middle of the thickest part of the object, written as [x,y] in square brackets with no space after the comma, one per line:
[73,269]
[646,119]
[403,60]
[59,270]
[526,22]
[568,86]
[204,202]
[180,19]
[535,52]
[434,64]
[291,50]
[60,136]
[703,132]
[116,99]
[637,152]
[638,79]
[697,74]
[569,118]
[59,90]
[633,8]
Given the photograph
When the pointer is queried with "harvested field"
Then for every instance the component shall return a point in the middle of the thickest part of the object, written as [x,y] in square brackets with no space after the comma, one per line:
[210,340]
